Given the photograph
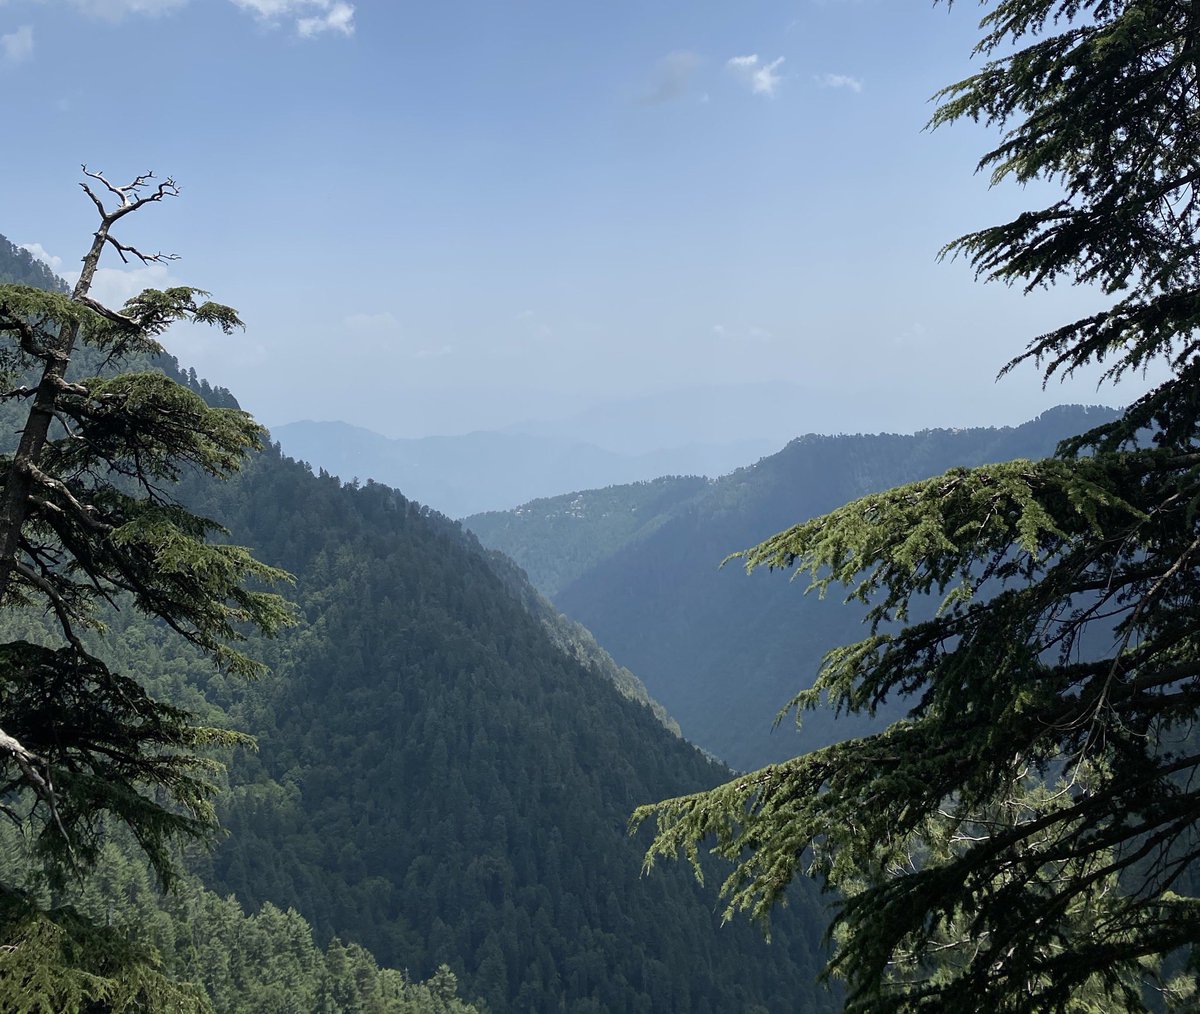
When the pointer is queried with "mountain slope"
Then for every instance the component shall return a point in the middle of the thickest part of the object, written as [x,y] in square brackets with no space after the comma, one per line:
[445,772]
[557,539]
[440,781]
[723,651]
[20,267]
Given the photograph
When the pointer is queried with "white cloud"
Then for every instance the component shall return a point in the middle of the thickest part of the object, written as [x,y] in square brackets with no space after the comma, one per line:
[113,286]
[385,321]
[339,18]
[17,46]
[437,353]
[914,334]
[310,18]
[742,333]
[115,10]
[110,286]
[531,325]
[266,9]
[673,77]
[45,256]
[854,84]
[383,333]
[761,78]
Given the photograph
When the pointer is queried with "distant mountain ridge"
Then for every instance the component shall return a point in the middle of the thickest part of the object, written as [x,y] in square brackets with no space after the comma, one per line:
[556,539]
[489,470]
[771,412]
[723,651]
[445,772]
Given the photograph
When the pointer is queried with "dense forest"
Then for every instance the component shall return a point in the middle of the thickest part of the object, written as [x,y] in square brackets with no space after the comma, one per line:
[443,775]
[439,780]
[211,954]
[272,740]
[559,539]
[640,566]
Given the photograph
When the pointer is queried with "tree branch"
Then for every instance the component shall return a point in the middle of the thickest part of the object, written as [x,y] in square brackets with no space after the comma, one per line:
[85,514]
[124,248]
[41,784]
[61,607]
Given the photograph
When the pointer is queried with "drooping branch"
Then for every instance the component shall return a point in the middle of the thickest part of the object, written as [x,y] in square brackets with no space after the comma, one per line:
[38,780]
[62,608]
[87,515]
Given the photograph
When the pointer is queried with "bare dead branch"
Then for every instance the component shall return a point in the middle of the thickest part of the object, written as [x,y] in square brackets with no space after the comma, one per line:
[99,178]
[154,258]
[130,195]
[95,200]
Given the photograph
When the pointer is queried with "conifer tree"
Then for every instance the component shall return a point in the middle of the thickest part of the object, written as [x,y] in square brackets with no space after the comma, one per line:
[1027,838]
[88,520]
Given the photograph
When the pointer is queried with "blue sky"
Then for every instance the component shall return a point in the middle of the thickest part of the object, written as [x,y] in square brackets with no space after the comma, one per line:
[439,217]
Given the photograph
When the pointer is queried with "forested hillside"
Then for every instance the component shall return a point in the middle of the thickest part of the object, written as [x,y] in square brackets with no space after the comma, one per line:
[721,650]
[441,782]
[20,267]
[444,774]
[556,539]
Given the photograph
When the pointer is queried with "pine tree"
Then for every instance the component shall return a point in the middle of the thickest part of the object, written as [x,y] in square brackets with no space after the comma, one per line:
[1026,839]
[87,520]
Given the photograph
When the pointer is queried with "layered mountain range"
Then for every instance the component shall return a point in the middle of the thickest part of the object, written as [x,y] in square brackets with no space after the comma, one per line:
[641,567]
[444,774]
[486,470]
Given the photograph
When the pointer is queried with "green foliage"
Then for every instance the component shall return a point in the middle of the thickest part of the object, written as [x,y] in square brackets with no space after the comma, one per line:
[104,738]
[443,775]
[558,539]
[20,267]
[442,781]
[89,521]
[576,641]
[1025,837]
[722,652]
[56,962]
[114,942]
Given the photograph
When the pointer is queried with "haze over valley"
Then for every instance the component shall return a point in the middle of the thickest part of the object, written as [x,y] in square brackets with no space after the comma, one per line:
[569,509]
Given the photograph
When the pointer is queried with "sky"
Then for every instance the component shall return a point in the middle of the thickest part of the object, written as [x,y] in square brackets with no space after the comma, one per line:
[443,217]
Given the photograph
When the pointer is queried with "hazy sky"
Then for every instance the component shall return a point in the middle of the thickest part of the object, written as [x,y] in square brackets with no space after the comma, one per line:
[442,216]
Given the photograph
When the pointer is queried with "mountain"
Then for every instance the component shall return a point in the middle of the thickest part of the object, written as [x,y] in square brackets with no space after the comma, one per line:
[721,650]
[20,267]
[773,411]
[443,782]
[480,471]
[766,413]
[556,539]
[444,773]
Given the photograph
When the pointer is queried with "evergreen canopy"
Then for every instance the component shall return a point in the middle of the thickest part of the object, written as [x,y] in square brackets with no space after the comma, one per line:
[1026,838]
[88,520]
